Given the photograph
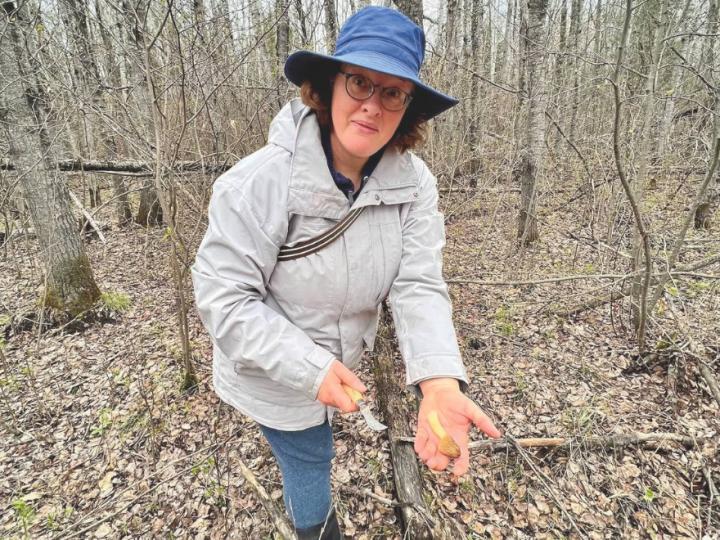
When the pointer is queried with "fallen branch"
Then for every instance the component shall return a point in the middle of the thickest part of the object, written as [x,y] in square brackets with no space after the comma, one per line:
[367,493]
[417,520]
[88,218]
[612,441]
[710,380]
[560,279]
[134,168]
[276,515]
[592,303]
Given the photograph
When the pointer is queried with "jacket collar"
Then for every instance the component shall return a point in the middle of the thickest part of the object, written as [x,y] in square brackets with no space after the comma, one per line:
[312,188]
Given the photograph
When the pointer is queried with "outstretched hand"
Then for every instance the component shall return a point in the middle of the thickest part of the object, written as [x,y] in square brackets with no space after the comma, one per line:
[331,391]
[457,413]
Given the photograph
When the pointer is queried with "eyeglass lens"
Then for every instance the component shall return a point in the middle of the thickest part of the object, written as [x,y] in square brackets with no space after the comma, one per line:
[361,88]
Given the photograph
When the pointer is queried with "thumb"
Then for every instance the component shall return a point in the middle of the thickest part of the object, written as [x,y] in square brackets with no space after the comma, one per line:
[481,420]
[348,377]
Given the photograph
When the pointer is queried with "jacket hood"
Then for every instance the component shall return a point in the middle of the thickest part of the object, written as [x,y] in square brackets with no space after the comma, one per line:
[284,126]
[295,129]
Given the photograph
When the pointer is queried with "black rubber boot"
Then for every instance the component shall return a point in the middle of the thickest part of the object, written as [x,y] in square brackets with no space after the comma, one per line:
[329,530]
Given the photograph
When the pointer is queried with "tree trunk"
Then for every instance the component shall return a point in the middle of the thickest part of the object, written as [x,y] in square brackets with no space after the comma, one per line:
[150,212]
[560,57]
[70,285]
[705,211]
[532,154]
[221,13]
[575,16]
[505,64]
[330,25]
[413,9]
[120,189]
[304,41]
[85,77]
[647,142]
[451,22]
[476,17]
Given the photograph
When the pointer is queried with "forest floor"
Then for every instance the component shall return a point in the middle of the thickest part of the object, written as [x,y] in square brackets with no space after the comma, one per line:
[99,441]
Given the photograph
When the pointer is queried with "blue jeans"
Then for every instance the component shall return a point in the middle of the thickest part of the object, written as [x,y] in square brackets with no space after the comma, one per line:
[304,458]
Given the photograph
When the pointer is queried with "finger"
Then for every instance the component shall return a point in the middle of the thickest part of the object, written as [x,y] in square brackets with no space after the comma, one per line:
[343,401]
[438,462]
[462,464]
[481,420]
[421,439]
[348,377]
[429,451]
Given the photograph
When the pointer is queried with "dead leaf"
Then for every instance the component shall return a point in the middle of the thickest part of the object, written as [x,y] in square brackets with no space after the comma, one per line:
[106,484]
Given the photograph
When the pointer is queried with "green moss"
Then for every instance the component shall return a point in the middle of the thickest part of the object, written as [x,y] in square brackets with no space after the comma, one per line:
[116,301]
[71,286]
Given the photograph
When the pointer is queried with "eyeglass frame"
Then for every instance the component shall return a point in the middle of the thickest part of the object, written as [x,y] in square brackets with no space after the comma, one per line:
[373,86]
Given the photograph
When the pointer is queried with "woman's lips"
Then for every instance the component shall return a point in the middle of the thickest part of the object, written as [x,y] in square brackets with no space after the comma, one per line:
[365,128]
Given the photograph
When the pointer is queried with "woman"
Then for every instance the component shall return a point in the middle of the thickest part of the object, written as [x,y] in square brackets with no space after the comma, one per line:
[289,330]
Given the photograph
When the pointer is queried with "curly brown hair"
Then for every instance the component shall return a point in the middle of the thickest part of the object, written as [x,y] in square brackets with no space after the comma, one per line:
[316,93]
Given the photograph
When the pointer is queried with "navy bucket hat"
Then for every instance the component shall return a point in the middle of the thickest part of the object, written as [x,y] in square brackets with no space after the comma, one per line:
[380,39]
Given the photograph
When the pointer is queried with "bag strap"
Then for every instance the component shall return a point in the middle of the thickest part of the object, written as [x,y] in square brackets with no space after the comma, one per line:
[308,247]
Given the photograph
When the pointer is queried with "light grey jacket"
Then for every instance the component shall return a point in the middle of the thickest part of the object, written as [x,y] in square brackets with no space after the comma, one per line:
[276,326]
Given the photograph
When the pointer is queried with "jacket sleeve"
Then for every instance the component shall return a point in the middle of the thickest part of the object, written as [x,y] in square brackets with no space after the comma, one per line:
[418,297]
[232,268]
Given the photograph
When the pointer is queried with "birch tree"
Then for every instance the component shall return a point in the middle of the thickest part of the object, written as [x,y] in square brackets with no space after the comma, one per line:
[531,155]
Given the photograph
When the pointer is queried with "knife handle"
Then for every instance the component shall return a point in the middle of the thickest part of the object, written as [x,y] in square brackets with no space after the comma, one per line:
[354,394]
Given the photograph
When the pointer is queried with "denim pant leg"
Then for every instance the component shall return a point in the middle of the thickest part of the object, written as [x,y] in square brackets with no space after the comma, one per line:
[304,458]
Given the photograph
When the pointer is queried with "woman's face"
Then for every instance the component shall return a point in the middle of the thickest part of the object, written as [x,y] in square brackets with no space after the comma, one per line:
[364,127]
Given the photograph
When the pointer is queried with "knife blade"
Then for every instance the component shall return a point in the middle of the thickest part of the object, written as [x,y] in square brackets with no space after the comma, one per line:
[372,422]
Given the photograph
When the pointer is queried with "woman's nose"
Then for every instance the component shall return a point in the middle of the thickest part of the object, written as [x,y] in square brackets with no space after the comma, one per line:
[373,104]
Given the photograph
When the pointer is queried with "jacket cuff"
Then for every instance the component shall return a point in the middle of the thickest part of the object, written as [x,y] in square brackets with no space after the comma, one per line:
[322,360]
[435,367]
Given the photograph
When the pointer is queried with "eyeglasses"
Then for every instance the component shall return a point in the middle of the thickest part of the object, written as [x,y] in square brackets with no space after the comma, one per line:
[359,87]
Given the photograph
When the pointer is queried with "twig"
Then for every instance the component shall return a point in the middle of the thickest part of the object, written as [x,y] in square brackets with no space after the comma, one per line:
[367,493]
[126,505]
[592,303]
[710,380]
[276,515]
[541,477]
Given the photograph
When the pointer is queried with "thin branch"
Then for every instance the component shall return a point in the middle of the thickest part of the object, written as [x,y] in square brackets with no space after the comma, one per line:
[626,185]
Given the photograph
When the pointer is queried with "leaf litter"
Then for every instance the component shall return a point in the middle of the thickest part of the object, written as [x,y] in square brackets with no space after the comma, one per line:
[98,441]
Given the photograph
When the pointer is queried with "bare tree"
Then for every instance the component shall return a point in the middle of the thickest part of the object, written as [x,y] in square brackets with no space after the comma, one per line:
[413,9]
[330,24]
[70,285]
[709,59]
[531,155]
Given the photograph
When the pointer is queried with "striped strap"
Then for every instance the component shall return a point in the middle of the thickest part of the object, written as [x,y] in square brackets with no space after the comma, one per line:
[307,247]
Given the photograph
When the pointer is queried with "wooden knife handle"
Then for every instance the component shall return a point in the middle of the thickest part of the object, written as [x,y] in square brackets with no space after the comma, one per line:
[354,394]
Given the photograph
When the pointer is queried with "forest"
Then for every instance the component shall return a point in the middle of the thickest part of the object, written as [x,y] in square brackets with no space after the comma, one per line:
[579,183]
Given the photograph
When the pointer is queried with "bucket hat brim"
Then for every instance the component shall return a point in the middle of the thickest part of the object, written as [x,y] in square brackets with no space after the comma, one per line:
[427,101]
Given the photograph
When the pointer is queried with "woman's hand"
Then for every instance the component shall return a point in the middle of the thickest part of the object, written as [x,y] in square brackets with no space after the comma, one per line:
[331,391]
[456,413]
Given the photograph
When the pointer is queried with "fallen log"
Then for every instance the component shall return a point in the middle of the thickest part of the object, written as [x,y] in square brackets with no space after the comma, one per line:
[129,167]
[417,520]
[612,441]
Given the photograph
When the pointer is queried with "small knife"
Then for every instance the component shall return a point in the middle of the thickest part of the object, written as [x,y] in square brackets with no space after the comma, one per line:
[357,398]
